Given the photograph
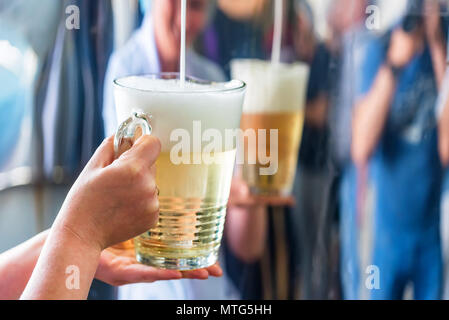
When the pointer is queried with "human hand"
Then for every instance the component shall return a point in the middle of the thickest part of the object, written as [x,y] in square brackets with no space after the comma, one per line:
[402,48]
[118,266]
[241,197]
[247,220]
[114,200]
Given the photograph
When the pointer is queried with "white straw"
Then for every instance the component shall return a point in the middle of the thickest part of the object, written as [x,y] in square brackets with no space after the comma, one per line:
[182,64]
[277,38]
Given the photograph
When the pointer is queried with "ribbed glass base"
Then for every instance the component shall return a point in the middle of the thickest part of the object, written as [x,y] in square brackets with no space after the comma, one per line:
[181,264]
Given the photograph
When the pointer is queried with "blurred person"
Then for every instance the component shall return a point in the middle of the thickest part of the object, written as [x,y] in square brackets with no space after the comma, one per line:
[347,44]
[443,144]
[395,131]
[235,31]
[111,201]
[313,175]
[155,48]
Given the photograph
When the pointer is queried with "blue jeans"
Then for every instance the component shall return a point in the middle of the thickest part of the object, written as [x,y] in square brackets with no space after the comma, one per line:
[408,256]
[350,264]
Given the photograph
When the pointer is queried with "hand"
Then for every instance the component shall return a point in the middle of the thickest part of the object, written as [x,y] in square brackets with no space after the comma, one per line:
[402,48]
[246,222]
[113,201]
[118,266]
[241,197]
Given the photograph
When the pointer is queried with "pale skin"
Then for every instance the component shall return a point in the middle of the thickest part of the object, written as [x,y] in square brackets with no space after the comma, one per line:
[117,265]
[166,16]
[443,131]
[371,112]
[110,202]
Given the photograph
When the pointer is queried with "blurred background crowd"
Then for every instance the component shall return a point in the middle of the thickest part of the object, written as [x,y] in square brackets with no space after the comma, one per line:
[371,189]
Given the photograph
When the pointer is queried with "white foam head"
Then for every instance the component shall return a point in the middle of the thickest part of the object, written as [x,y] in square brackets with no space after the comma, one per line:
[215,105]
[272,87]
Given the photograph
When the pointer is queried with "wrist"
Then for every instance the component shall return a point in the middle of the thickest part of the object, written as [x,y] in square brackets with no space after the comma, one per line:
[435,40]
[68,234]
[394,69]
[63,249]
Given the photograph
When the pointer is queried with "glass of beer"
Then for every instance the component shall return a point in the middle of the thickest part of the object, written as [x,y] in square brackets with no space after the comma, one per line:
[193,178]
[275,100]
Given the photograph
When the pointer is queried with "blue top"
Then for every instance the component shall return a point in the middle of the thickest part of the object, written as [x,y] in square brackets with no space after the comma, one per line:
[406,167]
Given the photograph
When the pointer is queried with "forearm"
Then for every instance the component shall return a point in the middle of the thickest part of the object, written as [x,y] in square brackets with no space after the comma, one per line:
[438,53]
[370,116]
[17,264]
[246,231]
[65,268]
[443,135]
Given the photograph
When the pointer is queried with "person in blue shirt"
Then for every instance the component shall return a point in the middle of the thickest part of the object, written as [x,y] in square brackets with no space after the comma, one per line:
[443,115]
[395,133]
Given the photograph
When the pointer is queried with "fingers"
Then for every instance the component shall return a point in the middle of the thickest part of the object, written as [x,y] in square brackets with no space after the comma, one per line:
[203,274]
[276,201]
[104,155]
[215,270]
[253,201]
[239,188]
[146,148]
[152,216]
[138,273]
[117,268]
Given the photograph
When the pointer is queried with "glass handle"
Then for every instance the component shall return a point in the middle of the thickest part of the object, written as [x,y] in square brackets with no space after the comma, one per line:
[130,130]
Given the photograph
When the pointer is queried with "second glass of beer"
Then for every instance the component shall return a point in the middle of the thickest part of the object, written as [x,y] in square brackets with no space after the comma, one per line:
[193,179]
[275,100]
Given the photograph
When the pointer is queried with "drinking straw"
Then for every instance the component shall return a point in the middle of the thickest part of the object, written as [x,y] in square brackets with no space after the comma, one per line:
[277,38]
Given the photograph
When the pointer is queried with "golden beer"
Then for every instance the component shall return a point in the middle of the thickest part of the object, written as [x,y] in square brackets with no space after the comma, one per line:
[275,100]
[193,183]
[193,200]
[289,126]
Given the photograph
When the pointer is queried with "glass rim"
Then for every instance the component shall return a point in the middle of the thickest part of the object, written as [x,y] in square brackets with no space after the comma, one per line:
[176,75]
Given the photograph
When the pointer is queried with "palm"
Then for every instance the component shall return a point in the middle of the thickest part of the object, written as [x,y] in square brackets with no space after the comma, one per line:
[118,266]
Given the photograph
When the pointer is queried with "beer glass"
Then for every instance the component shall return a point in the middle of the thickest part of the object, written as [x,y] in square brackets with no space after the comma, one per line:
[193,178]
[274,100]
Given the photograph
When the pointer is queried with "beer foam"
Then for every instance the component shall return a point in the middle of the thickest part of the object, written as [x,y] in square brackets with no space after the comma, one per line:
[216,105]
[143,83]
[272,87]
